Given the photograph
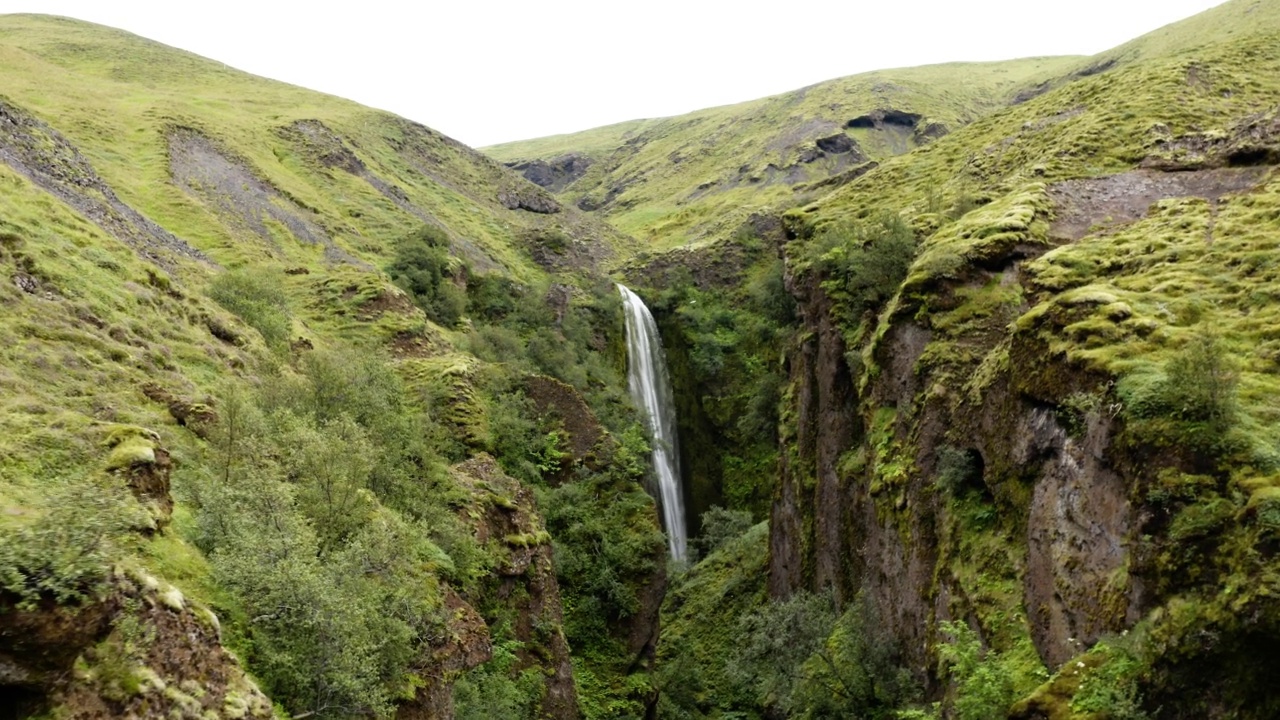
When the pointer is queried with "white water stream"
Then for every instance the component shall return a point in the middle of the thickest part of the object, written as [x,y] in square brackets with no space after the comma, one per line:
[651,391]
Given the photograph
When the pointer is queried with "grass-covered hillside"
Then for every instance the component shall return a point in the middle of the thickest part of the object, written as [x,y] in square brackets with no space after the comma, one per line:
[293,379]
[679,180]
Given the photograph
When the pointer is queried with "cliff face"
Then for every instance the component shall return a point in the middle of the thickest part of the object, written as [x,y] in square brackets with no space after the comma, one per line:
[969,458]
[860,509]
[524,585]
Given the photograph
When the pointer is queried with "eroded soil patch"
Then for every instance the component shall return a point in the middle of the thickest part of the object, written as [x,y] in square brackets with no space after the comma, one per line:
[46,158]
[239,196]
[1120,199]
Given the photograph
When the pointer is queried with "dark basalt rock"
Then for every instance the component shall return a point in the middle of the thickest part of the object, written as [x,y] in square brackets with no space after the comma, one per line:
[886,117]
[536,202]
[555,174]
[836,144]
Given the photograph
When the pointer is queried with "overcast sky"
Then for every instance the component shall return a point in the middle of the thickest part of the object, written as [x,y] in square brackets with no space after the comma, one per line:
[486,72]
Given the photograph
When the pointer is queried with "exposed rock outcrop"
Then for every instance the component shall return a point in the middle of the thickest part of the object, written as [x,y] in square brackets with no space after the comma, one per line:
[45,157]
[835,144]
[561,405]
[505,512]
[534,201]
[142,650]
[465,645]
[555,174]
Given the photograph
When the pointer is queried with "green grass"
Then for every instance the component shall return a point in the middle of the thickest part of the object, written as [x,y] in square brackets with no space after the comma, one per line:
[116,96]
[665,206]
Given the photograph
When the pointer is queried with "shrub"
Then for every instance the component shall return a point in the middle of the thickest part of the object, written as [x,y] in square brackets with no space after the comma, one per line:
[1201,382]
[775,641]
[421,267]
[1111,688]
[857,672]
[327,517]
[496,690]
[862,265]
[1193,402]
[719,526]
[257,297]
[984,687]
[67,553]
[958,471]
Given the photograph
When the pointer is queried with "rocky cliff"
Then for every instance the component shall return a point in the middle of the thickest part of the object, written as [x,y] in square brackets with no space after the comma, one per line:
[1043,433]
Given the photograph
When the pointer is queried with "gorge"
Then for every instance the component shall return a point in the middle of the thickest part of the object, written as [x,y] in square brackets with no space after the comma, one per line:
[963,404]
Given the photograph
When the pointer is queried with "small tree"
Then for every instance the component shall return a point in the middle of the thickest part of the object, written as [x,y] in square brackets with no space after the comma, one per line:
[1201,381]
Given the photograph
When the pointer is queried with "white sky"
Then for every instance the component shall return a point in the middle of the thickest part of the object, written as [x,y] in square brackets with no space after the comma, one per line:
[486,71]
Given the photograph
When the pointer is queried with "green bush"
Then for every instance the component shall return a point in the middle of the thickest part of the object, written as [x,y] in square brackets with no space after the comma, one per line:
[719,526]
[857,672]
[496,690]
[492,297]
[1194,402]
[775,642]
[863,264]
[984,686]
[804,660]
[329,518]
[957,471]
[66,554]
[1110,689]
[257,297]
[422,268]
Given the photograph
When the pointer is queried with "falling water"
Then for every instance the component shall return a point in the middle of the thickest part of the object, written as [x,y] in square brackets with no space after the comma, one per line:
[651,390]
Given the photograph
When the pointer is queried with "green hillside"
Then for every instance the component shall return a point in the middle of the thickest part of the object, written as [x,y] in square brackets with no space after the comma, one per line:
[200,307]
[675,181]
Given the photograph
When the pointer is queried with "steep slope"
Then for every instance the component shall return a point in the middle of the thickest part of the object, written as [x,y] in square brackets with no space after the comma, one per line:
[224,425]
[679,180]
[1029,425]
[127,104]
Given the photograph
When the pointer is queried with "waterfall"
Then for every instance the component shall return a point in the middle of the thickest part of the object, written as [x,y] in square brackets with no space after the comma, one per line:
[651,391]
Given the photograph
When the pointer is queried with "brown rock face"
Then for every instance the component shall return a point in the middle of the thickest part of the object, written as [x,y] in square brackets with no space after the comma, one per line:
[466,645]
[141,651]
[505,511]
[559,402]
[1077,530]
[859,507]
[809,485]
